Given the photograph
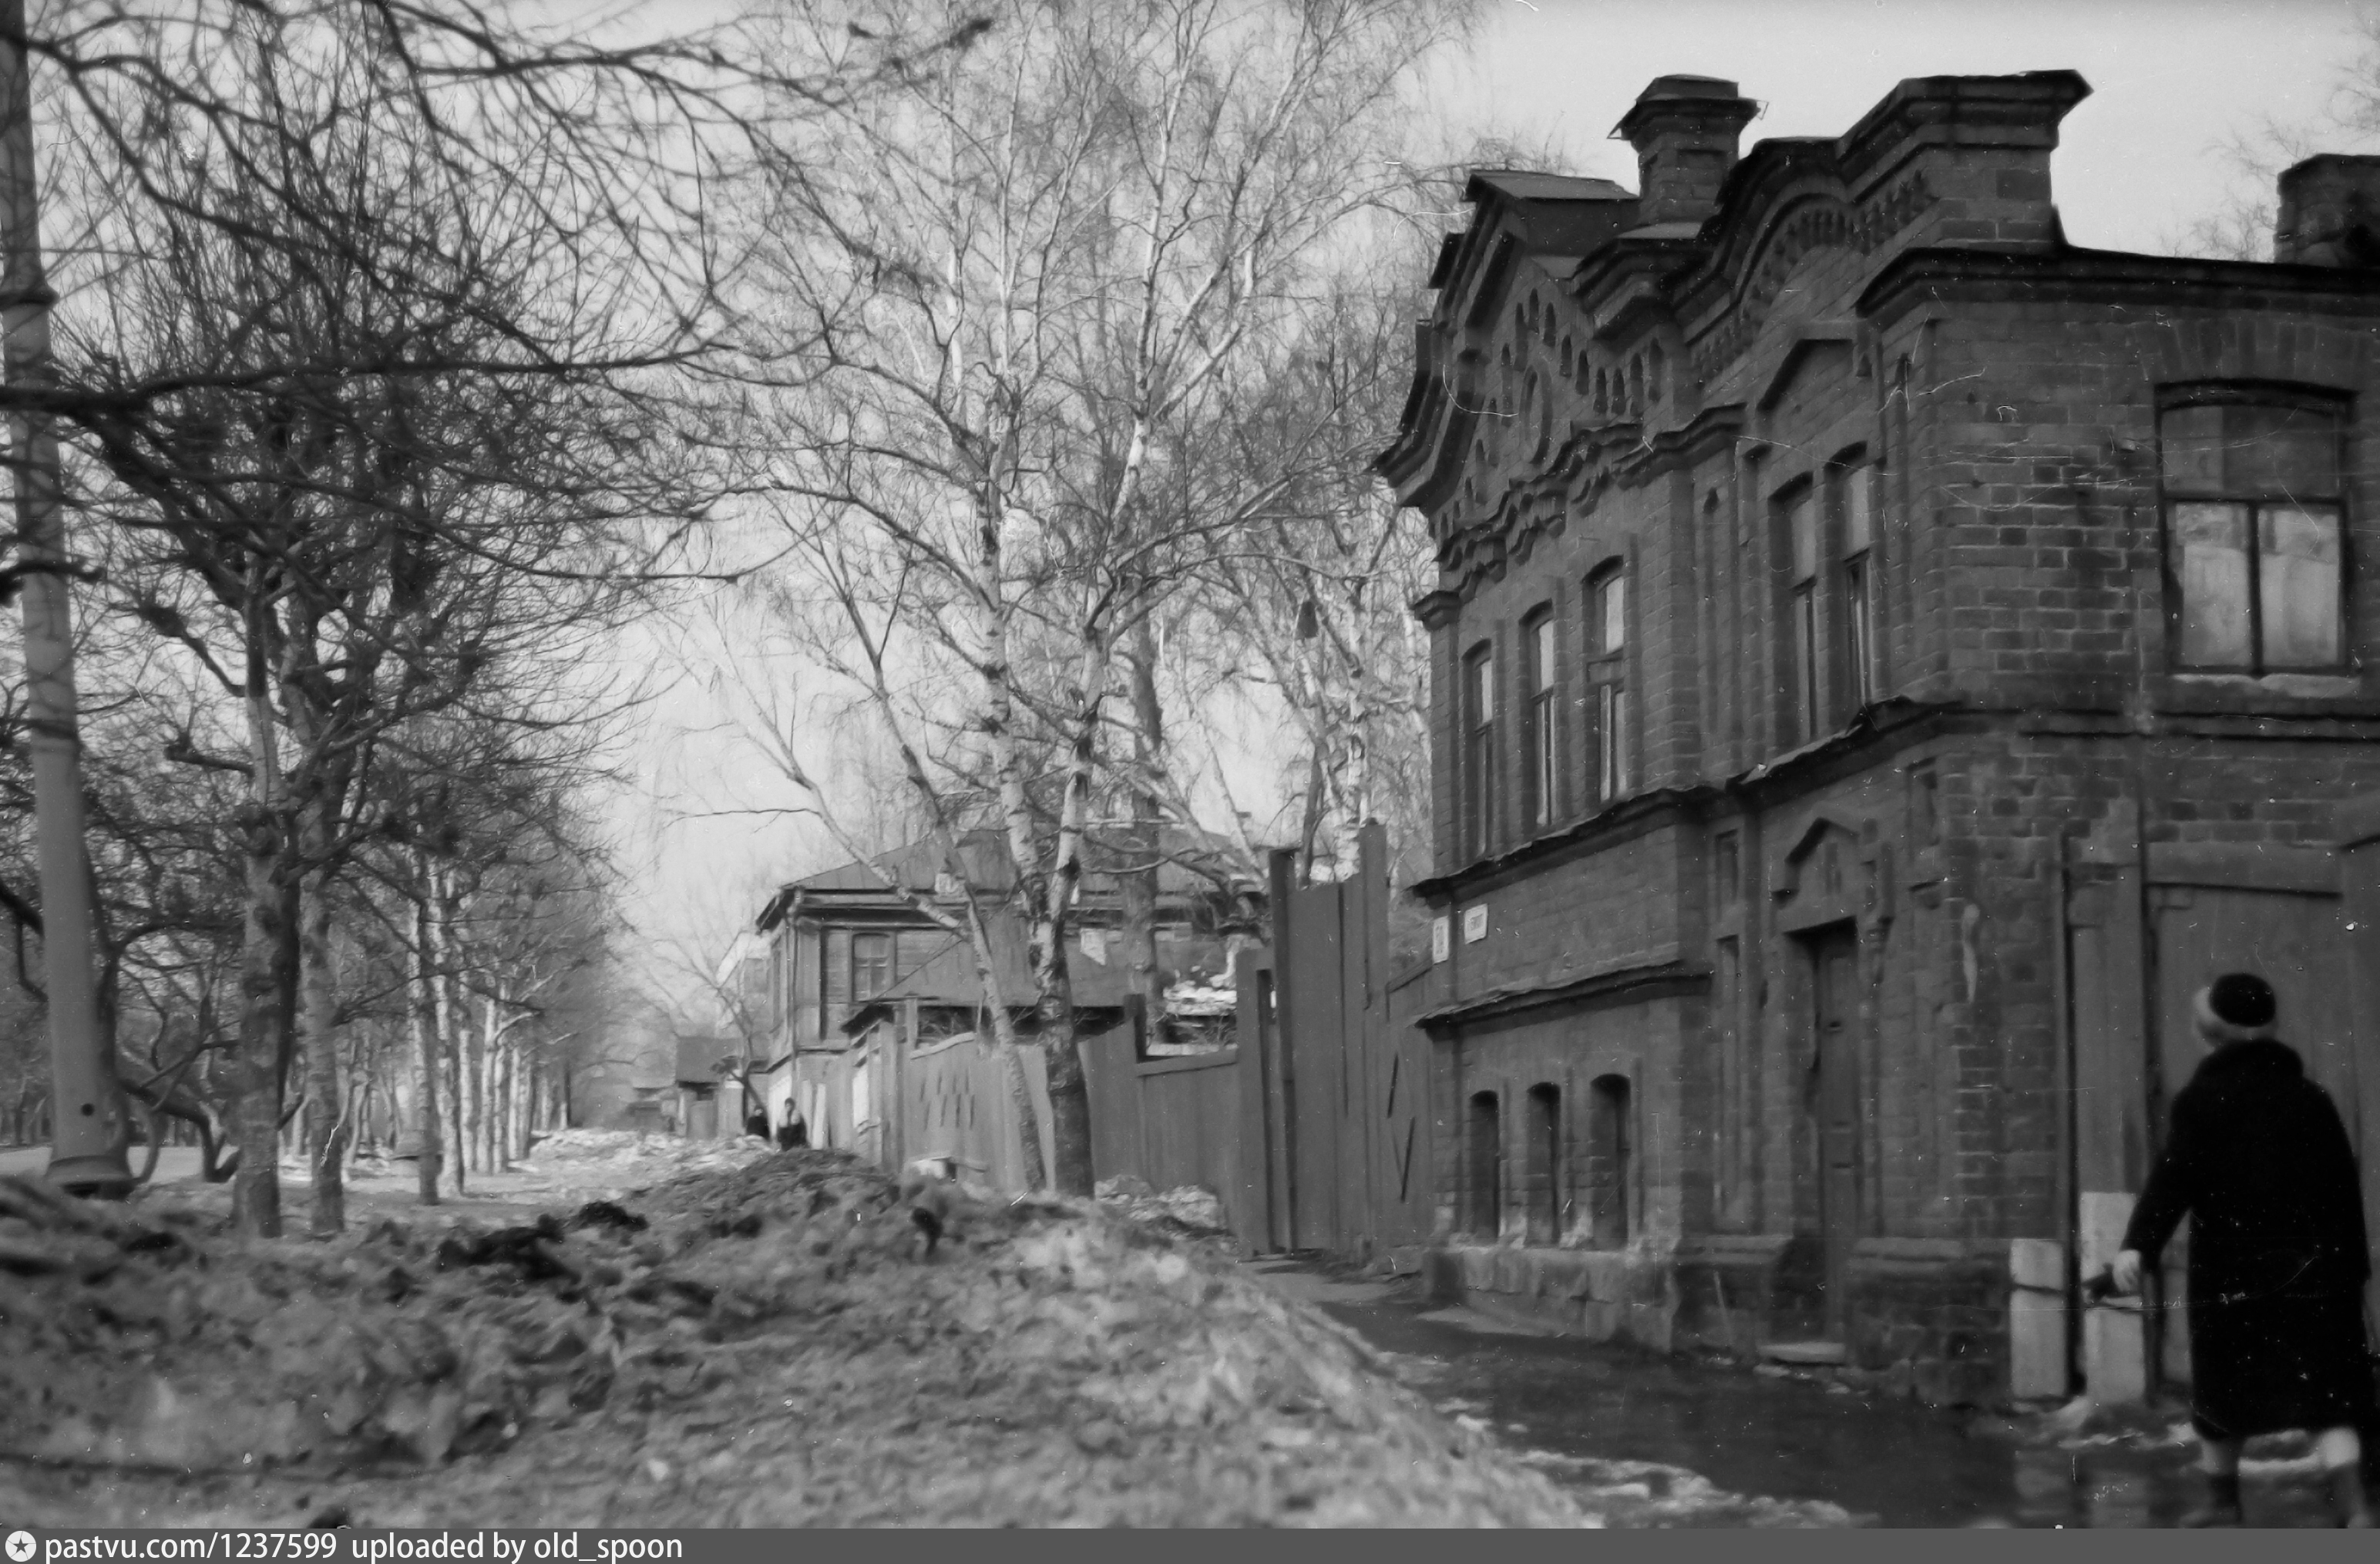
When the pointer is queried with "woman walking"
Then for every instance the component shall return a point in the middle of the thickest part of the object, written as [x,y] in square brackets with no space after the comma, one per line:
[2258,1159]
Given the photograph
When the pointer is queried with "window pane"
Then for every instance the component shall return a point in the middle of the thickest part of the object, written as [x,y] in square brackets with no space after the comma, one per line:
[1483,690]
[1612,613]
[1542,778]
[1803,520]
[1607,781]
[2191,448]
[1858,527]
[1545,654]
[1856,615]
[2287,452]
[1805,663]
[1619,737]
[2212,544]
[2296,582]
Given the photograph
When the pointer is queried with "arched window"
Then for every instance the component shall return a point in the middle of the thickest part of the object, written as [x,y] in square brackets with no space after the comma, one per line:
[1605,660]
[1541,1187]
[2255,563]
[1609,1154]
[1478,784]
[1541,747]
[1854,490]
[1799,519]
[1485,1170]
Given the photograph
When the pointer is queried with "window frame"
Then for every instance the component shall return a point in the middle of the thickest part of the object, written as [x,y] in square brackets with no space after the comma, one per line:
[1540,718]
[2257,504]
[1604,660]
[860,993]
[1478,717]
[1856,548]
[1800,524]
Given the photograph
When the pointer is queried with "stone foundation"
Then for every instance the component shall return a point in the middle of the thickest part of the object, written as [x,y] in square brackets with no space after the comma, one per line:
[1929,1319]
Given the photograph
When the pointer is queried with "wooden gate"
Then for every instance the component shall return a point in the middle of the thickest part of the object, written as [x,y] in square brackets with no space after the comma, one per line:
[2141,939]
[1334,1099]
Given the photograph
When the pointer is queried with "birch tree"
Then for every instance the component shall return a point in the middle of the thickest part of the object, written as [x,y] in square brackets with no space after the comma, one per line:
[1030,279]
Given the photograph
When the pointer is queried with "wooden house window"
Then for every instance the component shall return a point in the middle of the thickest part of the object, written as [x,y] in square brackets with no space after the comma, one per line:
[1479,749]
[1544,768]
[871,964]
[2254,537]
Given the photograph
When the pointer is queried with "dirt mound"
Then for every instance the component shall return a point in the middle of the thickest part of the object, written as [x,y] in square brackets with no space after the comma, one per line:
[773,1348]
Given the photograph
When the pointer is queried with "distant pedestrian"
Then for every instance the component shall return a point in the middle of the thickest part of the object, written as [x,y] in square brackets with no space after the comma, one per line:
[756,1123]
[793,1132]
[2259,1161]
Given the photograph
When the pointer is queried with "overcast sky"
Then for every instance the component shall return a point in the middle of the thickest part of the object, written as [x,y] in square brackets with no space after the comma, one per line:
[2172,80]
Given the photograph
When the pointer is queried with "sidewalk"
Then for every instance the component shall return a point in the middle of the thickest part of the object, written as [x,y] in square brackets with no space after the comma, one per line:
[1714,1444]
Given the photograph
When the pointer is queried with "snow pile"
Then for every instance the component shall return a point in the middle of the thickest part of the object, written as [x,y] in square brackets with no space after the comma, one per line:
[766,1345]
[613,1156]
[1650,1493]
[1188,1209]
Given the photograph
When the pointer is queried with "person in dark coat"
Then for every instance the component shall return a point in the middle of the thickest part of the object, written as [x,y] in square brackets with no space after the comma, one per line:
[756,1123]
[793,1132]
[2259,1161]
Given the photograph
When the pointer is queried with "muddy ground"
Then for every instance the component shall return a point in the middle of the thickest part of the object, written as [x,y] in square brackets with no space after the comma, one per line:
[768,1343]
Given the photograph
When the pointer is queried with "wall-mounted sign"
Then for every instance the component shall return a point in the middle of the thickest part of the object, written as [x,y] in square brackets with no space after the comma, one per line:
[1441,938]
[1474,925]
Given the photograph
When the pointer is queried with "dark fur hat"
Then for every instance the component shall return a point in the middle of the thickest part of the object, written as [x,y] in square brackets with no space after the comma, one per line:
[2243,999]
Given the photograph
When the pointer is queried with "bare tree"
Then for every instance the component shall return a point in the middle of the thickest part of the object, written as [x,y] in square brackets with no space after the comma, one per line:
[1031,280]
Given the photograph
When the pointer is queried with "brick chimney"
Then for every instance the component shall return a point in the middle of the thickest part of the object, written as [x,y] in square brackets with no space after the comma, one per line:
[1684,129]
[2330,212]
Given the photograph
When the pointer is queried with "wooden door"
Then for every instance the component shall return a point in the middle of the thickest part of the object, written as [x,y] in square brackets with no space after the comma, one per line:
[1835,957]
[2296,941]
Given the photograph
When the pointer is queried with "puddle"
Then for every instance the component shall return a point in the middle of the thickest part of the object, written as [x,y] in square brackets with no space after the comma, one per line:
[1670,1442]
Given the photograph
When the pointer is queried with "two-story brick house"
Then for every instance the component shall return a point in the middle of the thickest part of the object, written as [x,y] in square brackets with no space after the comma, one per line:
[1884,657]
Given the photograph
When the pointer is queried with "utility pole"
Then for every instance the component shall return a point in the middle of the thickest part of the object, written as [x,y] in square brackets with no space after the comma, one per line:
[86,1109]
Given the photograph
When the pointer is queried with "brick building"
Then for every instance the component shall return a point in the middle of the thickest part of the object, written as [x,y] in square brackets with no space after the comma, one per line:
[1883,656]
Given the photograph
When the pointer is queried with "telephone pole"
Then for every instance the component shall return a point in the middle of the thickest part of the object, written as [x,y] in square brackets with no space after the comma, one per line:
[86,1109]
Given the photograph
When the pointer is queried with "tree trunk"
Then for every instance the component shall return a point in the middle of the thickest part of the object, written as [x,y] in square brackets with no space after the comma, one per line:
[472,1040]
[1069,1097]
[427,1124]
[1139,883]
[442,999]
[326,1117]
[256,1078]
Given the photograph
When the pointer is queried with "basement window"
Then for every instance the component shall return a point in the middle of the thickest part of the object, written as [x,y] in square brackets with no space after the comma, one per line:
[2254,547]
